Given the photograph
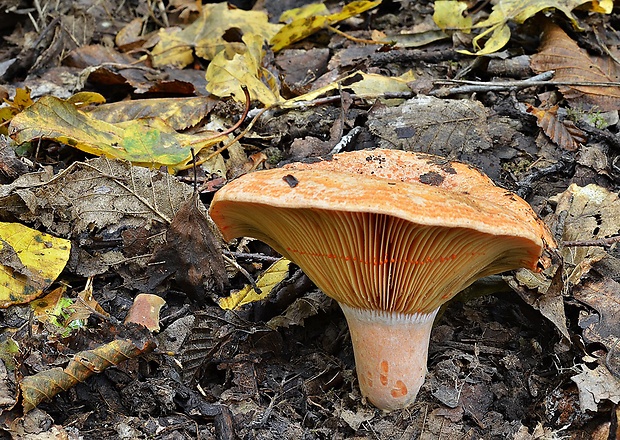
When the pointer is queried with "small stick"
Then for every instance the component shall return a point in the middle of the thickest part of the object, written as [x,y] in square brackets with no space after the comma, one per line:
[244,272]
[605,242]
[250,256]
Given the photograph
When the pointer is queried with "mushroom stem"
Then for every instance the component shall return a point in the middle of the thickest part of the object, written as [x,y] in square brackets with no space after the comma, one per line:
[390,350]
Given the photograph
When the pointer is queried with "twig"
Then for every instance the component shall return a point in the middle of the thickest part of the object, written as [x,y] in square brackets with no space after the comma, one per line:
[606,242]
[486,86]
[250,256]
[244,272]
[535,81]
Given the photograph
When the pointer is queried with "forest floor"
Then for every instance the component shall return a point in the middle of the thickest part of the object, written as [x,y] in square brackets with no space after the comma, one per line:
[516,356]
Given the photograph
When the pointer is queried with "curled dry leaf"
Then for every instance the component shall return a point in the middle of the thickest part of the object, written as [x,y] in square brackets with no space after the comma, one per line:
[562,132]
[46,384]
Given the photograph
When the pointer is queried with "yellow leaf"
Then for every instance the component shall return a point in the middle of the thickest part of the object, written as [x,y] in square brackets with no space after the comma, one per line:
[365,85]
[449,15]
[145,142]
[305,11]
[307,25]
[216,29]
[275,274]
[29,262]
[517,11]
[226,76]
[82,99]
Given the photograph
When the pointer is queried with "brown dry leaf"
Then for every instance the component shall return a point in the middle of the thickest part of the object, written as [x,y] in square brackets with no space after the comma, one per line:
[585,213]
[563,133]
[145,311]
[595,386]
[46,384]
[602,324]
[560,53]
[191,255]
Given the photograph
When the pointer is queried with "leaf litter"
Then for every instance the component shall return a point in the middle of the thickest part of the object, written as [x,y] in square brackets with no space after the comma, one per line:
[542,364]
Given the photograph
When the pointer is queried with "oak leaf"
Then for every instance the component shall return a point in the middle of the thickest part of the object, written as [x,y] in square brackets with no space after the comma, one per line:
[561,54]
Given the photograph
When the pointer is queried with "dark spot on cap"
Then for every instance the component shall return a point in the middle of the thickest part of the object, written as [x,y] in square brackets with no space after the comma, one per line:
[291,180]
[432,178]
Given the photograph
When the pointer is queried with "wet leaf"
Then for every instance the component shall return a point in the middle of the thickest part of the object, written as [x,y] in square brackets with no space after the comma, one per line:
[145,142]
[206,35]
[563,133]
[274,275]
[46,384]
[312,20]
[560,53]
[29,262]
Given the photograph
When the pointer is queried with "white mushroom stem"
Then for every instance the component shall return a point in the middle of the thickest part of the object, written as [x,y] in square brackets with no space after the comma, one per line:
[391,350]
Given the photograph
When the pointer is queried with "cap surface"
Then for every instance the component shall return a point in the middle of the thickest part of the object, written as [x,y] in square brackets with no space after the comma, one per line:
[384,229]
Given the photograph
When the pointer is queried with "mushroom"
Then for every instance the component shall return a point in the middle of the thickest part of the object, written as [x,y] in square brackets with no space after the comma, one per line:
[391,236]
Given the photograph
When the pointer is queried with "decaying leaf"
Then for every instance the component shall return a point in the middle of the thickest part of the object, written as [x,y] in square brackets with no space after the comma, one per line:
[602,324]
[146,142]
[218,28]
[585,213]
[191,255]
[304,307]
[29,262]
[363,85]
[496,27]
[563,133]
[595,386]
[46,384]
[452,128]
[561,54]
[269,279]
[179,113]
[307,23]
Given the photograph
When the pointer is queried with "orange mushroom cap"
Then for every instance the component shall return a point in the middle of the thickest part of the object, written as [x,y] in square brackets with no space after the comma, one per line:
[390,235]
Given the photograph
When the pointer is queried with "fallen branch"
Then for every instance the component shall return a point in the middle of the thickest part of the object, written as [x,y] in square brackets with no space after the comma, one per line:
[606,242]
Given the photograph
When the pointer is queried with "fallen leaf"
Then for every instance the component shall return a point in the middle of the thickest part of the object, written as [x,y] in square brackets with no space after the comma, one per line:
[20,102]
[311,21]
[226,76]
[269,279]
[29,262]
[145,311]
[496,26]
[218,28]
[563,133]
[145,142]
[602,323]
[191,255]
[178,113]
[450,15]
[595,386]
[558,52]
[46,384]
[586,213]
